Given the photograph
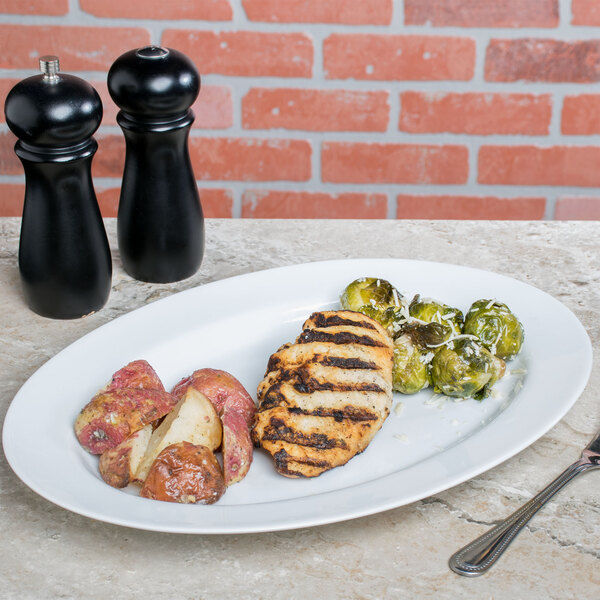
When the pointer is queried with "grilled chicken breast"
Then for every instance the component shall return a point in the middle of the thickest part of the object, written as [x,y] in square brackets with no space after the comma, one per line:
[324,397]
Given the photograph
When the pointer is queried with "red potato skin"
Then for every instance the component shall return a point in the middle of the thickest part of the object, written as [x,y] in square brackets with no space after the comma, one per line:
[237,445]
[220,388]
[114,466]
[136,374]
[236,410]
[112,416]
[185,473]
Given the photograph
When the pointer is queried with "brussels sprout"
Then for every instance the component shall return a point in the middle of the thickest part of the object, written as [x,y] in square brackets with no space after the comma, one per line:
[376,298]
[414,347]
[370,291]
[497,328]
[390,318]
[464,368]
[431,311]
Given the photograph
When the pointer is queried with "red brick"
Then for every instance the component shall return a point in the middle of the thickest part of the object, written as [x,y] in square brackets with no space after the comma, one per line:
[348,12]
[534,59]
[222,158]
[350,162]
[89,48]
[34,7]
[207,10]
[213,108]
[249,159]
[581,115]
[266,204]
[5,86]
[215,203]
[398,57]
[532,165]
[11,199]
[108,201]
[109,108]
[109,160]
[475,13]
[9,163]
[577,208]
[315,110]
[475,113]
[245,53]
[469,207]
[586,12]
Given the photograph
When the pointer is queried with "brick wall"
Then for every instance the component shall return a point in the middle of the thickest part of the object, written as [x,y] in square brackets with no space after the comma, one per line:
[447,109]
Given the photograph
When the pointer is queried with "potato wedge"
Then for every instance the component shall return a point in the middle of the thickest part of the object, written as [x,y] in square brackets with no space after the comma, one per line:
[112,416]
[237,445]
[185,473]
[236,410]
[118,465]
[136,374]
[193,420]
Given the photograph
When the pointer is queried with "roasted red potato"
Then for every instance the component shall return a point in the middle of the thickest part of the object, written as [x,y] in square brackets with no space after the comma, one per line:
[112,416]
[118,465]
[236,410]
[185,473]
[193,420]
[137,374]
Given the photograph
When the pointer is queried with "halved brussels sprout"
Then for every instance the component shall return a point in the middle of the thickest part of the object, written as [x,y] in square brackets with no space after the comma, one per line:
[370,291]
[377,298]
[464,368]
[389,318]
[414,348]
[496,326]
[431,311]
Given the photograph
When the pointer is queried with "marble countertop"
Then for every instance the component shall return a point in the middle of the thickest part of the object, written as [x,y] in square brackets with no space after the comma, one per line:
[48,552]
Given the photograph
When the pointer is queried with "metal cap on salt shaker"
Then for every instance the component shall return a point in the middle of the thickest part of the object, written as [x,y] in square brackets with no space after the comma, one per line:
[160,222]
[64,257]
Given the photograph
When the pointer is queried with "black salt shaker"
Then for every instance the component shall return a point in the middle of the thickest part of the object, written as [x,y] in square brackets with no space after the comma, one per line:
[160,222]
[64,257]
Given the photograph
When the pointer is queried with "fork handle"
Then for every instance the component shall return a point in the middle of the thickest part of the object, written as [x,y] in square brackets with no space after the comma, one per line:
[478,556]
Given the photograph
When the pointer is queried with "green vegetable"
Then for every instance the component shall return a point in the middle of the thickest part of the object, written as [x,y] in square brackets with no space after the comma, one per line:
[414,347]
[496,326]
[387,317]
[370,291]
[376,298]
[464,368]
[431,311]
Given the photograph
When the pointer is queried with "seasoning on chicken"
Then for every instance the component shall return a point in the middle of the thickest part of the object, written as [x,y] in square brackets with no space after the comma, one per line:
[325,396]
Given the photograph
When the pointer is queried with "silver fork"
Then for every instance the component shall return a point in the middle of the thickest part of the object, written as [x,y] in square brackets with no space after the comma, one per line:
[478,556]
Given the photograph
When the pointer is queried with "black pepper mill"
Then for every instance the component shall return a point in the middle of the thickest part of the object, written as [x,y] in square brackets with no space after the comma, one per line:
[64,257]
[160,221]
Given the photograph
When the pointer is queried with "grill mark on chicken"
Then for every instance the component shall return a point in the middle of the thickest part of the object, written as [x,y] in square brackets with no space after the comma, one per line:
[347,412]
[312,385]
[304,383]
[341,338]
[341,362]
[278,395]
[321,320]
[291,355]
[278,430]
[282,458]
[345,363]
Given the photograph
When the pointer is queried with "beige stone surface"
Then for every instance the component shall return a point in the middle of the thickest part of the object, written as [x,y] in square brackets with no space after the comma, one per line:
[48,552]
